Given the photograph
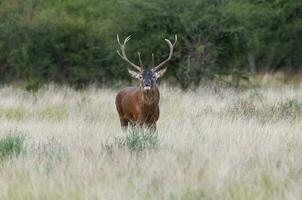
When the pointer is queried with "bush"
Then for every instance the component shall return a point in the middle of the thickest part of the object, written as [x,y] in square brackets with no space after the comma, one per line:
[139,140]
[11,145]
[74,41]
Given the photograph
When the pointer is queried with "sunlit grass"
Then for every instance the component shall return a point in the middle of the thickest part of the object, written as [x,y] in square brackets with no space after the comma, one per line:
[211,144]
[13,113]
[53,113]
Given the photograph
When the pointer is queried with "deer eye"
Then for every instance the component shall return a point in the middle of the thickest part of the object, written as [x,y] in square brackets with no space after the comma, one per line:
[153,77]
[140,77]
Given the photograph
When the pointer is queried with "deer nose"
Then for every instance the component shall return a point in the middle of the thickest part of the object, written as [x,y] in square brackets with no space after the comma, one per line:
[147,82]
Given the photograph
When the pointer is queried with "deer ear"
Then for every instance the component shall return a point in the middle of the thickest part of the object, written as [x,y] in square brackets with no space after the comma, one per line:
[134,74]
[160,73]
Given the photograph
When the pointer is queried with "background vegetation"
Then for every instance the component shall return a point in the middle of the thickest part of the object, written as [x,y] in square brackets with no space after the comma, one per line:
[74,41]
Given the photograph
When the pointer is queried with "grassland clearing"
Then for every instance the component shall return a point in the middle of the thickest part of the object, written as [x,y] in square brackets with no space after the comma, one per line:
[212,144]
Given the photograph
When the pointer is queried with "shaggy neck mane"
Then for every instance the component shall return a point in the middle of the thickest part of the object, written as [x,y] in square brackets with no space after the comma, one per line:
[149,97]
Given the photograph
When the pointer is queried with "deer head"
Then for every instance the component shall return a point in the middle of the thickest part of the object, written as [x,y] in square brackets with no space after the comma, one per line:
[147,77]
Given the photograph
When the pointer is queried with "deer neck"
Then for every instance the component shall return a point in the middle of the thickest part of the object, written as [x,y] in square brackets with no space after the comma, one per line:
[149,97]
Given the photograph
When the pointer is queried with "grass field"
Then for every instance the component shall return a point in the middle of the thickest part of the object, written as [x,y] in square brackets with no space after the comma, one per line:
[213,143]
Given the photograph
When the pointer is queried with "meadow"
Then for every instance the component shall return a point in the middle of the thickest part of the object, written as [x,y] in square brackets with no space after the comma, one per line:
[212,143]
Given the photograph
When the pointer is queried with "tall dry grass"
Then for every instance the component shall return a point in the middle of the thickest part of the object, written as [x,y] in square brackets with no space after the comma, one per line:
[213,144]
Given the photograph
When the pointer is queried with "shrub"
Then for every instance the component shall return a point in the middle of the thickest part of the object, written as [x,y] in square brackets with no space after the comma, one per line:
[138,140]
[74,41]
[11,145]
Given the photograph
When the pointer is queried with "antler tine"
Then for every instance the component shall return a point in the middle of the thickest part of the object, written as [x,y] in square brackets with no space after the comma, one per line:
[140,60]
[153,65]
[118,39]
[127,39]
[122,54]
[171,46]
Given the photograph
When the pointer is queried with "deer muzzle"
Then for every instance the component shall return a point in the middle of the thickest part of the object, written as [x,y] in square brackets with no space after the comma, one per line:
[147,88]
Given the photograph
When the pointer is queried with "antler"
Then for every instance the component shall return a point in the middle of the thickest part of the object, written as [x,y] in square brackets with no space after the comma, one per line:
[140,60]
[171,46]
[153,65]
[123,54]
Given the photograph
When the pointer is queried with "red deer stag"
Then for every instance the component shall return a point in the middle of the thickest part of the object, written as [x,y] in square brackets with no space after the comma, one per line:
[139,105]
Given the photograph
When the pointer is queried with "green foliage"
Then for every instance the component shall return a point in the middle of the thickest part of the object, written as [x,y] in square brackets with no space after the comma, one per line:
[13,113]
[33,85]
[138,140]
[74,41]
[53,113]
[11,145]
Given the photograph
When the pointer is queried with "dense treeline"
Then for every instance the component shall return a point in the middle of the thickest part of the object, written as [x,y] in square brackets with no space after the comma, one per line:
[74,41]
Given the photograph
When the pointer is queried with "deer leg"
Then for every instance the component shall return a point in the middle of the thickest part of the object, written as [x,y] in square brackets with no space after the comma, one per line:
[124,124]
[136,126]
[151,127]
